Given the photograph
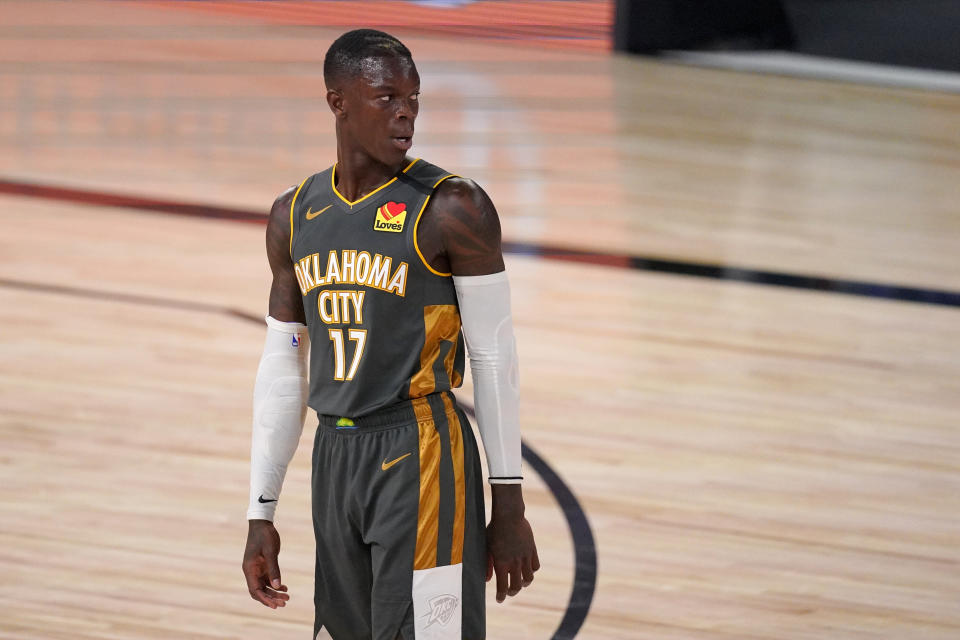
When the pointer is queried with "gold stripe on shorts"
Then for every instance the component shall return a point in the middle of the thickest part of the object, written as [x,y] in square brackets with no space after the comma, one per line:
[428,514]
[456,452]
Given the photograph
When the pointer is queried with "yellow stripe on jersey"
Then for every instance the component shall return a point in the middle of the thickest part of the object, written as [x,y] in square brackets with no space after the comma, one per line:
[428,513]
[440,322]
[333,184]
[417,223]
[456,453]
[292,203]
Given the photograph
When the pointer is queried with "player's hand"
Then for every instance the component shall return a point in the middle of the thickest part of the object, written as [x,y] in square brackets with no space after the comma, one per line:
[511,550]
[260,565]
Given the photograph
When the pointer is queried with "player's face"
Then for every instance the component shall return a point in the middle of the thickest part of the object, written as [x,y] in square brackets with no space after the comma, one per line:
[383,102]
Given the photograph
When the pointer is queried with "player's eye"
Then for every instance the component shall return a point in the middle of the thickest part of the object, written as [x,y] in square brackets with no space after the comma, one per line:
[415,97]
[384,98]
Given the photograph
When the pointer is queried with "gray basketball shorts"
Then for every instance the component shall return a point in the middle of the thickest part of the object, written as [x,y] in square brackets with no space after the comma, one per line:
[398,519]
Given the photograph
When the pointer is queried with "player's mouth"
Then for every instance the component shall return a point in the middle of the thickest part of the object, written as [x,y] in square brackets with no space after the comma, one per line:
[403,142]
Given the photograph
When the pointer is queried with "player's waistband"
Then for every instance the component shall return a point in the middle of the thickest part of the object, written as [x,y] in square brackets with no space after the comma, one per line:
[390,416]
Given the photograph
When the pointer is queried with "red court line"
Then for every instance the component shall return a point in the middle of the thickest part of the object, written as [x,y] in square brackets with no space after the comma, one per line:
[624,261]
[104,199]
[197,210]
[128,298]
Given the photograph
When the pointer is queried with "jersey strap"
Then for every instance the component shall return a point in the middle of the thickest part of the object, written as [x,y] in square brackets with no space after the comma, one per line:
[428,182]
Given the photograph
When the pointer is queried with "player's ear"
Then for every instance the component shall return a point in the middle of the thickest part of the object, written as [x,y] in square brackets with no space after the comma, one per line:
[335,102]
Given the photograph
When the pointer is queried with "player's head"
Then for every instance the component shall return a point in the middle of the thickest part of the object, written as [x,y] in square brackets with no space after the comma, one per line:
[344,59]
[373,89]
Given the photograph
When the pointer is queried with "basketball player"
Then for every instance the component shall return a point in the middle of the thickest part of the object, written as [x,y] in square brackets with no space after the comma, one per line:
[383,265]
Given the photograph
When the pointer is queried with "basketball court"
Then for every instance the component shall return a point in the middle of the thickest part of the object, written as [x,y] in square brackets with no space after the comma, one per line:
[736,299]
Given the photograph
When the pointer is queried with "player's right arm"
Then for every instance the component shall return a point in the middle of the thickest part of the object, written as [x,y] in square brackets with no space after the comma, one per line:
[279,406]
[460,235]
[286,303]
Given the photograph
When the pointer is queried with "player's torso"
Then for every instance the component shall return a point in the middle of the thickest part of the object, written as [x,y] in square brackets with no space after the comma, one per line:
[383,326]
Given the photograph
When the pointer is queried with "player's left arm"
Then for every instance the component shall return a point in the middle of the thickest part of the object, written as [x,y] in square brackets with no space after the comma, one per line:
[459,233]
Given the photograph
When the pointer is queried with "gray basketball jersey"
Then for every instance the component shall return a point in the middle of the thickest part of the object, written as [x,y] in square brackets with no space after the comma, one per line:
[384,326]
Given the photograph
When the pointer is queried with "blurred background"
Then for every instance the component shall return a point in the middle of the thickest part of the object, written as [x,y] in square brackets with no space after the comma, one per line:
[733,236]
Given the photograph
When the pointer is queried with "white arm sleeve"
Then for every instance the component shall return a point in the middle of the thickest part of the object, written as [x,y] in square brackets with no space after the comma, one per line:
[488,330]
[279,407]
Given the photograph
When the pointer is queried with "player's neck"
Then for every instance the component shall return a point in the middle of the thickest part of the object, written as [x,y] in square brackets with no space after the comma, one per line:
[357,174]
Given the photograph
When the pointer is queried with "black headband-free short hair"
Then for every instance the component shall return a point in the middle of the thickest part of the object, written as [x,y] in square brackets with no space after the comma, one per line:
[345,55]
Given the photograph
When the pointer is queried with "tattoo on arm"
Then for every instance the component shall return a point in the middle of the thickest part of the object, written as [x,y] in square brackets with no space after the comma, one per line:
[286,302]
[460,232]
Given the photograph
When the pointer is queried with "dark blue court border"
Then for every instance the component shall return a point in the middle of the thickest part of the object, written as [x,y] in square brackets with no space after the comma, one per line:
[610,259]
[739,274]
[584,547]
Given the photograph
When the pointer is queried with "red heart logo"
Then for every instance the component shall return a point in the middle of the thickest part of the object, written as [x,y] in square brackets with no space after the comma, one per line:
[392,209]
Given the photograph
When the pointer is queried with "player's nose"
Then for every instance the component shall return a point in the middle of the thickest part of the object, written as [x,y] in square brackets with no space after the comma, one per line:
[407,109]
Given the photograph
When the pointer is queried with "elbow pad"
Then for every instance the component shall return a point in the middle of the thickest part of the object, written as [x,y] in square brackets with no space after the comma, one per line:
[488,330]
[279,407]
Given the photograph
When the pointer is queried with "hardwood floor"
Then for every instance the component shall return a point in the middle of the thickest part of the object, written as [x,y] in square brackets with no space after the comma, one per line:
[754,461]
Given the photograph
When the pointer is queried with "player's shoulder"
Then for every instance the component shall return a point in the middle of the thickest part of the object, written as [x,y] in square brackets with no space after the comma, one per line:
[283,203]
[279,219]
[459,203]
[458,187]
[462,195]
[428,177]
[443,185]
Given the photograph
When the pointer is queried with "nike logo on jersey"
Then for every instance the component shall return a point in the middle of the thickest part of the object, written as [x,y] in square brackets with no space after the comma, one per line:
[261,500]
[386,465]
[311,216]
[390,217]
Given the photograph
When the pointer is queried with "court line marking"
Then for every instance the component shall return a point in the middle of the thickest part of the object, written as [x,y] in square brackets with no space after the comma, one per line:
[206,307]
[131,298]
[624,261]
[584,546]
[585,567]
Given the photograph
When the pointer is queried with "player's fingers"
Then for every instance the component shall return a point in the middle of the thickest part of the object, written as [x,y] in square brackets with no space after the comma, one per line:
[277,594]
[273,571]
[502,572]
[535,561]
[256,585]
[526,569]
[261,596]
[514,587]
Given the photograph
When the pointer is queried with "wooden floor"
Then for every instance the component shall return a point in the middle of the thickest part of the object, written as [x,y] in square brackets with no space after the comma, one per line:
[754,461]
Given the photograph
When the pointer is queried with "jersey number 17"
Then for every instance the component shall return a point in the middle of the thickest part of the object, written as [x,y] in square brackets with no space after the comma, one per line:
[339,357]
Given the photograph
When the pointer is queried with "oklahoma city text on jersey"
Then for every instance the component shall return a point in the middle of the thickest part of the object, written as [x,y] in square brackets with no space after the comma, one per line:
[349,267]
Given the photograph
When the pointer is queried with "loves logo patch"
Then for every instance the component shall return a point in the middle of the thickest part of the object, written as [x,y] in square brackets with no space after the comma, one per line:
[390,217]
[393,209]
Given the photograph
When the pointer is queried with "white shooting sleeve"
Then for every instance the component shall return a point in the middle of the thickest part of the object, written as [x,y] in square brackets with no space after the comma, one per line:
[279,407]
[488,331]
